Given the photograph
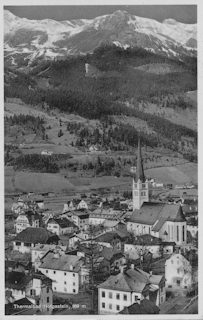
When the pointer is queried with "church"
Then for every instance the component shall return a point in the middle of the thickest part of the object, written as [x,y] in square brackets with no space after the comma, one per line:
[165,221]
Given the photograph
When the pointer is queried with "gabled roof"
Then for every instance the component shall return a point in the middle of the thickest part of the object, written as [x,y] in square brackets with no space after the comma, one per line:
[144,307]
[35,235]
[150,212]
[110,254]
[63,262]
[62,222]
[17,280]
[129,281]
[109,236]
[132,280]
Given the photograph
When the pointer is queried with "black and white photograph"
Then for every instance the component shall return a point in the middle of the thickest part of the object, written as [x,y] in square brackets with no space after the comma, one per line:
[100,143]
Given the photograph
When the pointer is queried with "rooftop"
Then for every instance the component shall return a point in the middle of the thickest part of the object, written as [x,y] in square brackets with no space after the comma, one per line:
[35,235]
[62,262]
[150,212]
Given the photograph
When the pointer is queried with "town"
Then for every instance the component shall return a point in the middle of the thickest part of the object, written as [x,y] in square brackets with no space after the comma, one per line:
[112,254]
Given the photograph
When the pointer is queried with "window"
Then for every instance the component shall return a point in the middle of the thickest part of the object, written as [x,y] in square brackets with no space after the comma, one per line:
[73,290]
[54,288]
[117,307]
[73,274]
[103,294]
[125,297]
[47,299]
[103,305]
[169,286]
[162,289]
[18,243]
[177,233]
[161,299]
[172,261]
[73,283]
[46,271]
[136,298]
[118,296]
[64,282]
[54,272]
[110,306]
[110,295]
[178,282]
[178,270]
[64,273]
[65,289]
[26,244]
[183,233]
[47,289]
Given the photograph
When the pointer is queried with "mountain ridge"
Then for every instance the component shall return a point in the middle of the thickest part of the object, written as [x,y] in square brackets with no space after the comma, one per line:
[24,37]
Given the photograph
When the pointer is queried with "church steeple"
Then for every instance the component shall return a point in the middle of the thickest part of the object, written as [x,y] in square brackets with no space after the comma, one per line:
[139,170]
[140,183]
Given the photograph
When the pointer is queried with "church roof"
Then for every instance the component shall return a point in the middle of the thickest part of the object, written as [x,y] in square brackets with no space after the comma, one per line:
[150,212]
[139,169]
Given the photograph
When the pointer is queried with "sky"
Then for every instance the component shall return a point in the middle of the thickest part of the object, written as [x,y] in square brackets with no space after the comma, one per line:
[181,13]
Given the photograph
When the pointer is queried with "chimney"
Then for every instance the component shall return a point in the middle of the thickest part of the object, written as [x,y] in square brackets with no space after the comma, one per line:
[71,267]
[56,255]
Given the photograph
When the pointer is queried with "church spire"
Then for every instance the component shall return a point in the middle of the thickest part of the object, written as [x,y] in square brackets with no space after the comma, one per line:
[139,170]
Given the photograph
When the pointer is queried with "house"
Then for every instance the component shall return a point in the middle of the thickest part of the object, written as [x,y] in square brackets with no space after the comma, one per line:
[30,237]
[27,219]
[178,273]
[36,287]
[46,153]
[144,307]
[121,290]
[192,227]
[16,208]
[80,218]
[112,225]
[71,240]
[64,270]
[150,243]
[75,204]
[13,307]
[61,226]
[113,239]
[17,266]
[40,250]
[38,200]
[114,258]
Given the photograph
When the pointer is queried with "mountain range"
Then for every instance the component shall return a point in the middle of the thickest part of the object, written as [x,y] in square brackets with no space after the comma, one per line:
[28,40]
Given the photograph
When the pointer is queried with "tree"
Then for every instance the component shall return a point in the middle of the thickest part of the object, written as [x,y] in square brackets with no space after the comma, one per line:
[60,133]
[91,261]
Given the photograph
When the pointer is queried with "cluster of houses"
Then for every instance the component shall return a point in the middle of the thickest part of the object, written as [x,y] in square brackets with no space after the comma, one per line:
[126,242]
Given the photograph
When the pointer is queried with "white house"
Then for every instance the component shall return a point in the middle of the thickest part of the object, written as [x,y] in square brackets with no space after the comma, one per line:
[178,272]
[46,153]
[61,226]
[36,287]
[25,220]
[80,218]
[30,237]
[125,288]
[40,250]
[64,270]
